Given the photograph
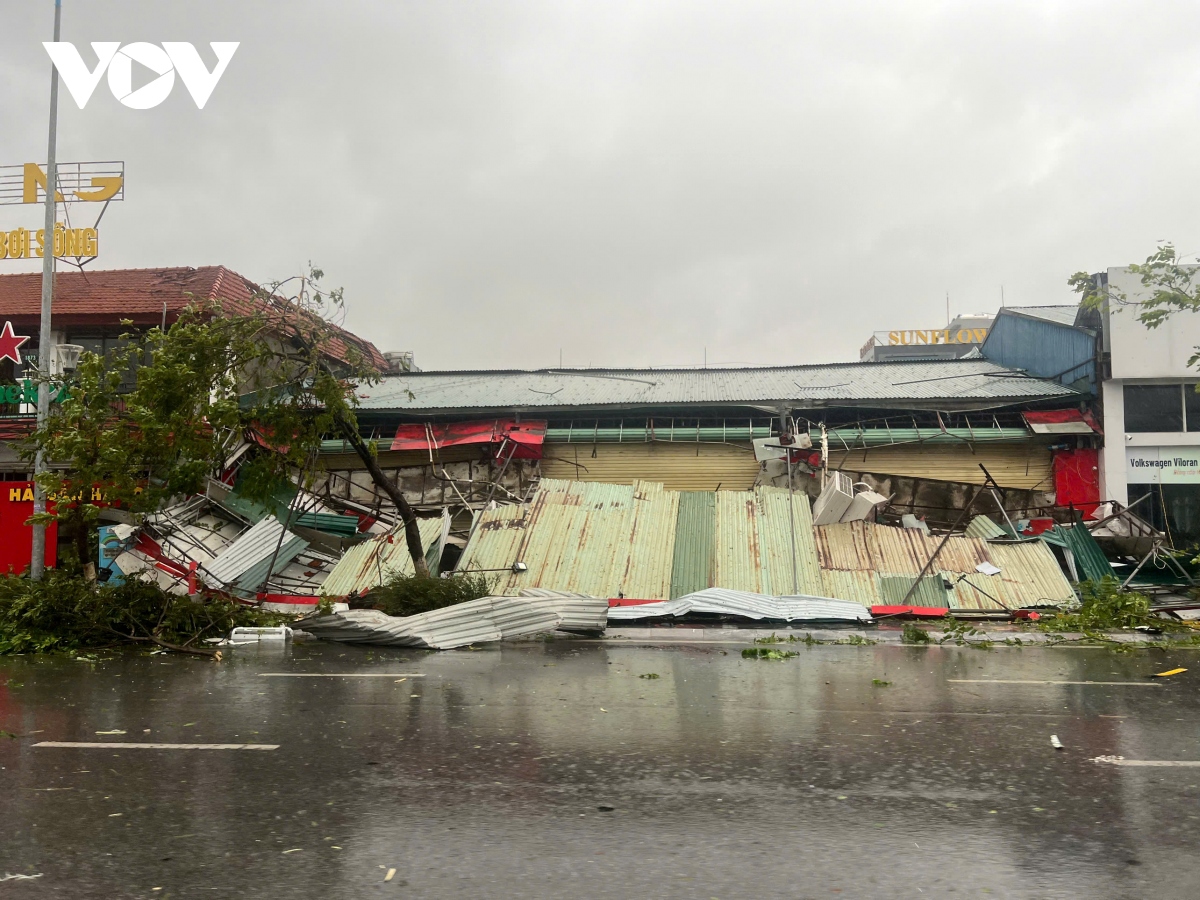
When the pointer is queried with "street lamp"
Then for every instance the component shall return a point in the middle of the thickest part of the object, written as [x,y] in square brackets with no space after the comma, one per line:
[37,560]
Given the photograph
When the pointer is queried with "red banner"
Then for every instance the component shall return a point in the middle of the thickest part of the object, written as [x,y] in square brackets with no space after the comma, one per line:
[522,439]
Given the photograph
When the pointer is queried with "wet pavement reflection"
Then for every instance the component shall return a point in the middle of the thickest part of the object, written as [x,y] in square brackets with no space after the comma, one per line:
[590,769]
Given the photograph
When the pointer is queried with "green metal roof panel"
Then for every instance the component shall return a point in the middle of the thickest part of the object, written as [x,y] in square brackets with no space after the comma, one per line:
[695,530]
[1090,561]
[986,529]
[861,438]
[931,592]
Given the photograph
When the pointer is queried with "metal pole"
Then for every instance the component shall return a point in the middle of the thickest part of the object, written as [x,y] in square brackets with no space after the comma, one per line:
[936,552]
[37,562]
[792,517]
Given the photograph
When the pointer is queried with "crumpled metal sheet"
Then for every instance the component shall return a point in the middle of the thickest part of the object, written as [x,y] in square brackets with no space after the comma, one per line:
[580,612]
[474,622]
[253,547]
[746,605]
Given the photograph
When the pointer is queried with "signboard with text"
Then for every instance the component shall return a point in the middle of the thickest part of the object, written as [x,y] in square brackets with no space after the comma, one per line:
[16,538]
[1162,465]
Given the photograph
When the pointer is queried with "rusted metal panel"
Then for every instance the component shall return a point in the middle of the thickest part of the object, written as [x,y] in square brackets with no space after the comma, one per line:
[374,561]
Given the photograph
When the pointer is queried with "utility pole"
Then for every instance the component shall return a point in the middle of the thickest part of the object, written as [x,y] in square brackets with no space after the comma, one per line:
[37,562]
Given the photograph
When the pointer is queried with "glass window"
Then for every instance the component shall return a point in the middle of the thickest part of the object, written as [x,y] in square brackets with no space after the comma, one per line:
[1191,400]
[1153,407]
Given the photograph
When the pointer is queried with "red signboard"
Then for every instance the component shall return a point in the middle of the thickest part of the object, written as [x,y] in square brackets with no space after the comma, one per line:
[16,538]
[1077,479]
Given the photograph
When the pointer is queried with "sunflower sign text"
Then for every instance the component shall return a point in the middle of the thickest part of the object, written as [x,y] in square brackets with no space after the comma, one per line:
[164,61]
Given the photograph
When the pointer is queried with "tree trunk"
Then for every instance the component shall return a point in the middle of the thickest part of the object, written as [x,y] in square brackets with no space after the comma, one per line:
[412,533]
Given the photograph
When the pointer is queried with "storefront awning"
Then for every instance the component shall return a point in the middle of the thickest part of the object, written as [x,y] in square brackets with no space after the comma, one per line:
[1062,421]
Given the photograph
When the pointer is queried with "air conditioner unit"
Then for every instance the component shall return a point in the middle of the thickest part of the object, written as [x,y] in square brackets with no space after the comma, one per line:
[834,500]
[864,503]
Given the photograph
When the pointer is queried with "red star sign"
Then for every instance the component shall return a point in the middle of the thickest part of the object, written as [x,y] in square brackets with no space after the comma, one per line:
[10,344]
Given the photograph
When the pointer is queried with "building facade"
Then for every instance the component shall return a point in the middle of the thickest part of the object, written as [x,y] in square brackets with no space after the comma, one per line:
[1151,412]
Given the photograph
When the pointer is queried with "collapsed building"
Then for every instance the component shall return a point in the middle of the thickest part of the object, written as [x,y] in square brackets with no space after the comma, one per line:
[920,433]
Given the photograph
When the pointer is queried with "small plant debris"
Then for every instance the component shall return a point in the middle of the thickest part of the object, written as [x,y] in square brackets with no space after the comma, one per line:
[649,675]
[911,634]
[879,682]
[964,634]
[764,653]
[857,640]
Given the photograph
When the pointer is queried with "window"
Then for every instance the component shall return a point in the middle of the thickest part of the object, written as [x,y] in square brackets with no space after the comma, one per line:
[101,345]
[1153,407]
[1191,402]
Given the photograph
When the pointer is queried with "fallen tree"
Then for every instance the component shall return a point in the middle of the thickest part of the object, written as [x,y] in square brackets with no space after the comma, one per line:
[64,613]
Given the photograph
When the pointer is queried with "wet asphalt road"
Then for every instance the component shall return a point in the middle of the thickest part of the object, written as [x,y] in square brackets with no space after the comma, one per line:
[557,770]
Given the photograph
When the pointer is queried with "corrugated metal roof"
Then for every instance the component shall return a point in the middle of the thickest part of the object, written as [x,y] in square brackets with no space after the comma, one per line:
[1063,315]
[963,380]
[374,561]
[647,543]
[1029,573]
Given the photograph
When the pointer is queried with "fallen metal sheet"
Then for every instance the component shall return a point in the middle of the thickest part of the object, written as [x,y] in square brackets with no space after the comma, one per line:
[474,622]
[255,546]
[743,604]
[580,612]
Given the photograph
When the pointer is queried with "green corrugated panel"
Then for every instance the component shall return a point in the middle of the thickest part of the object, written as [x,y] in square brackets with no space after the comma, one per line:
[931,592]
[1090,561]
[582,434]
[777,513]
[330,523]
[279,501]
[985,529]
[859,438]
[695,531]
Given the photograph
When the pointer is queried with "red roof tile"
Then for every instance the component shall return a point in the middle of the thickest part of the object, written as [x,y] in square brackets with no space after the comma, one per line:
[106,297]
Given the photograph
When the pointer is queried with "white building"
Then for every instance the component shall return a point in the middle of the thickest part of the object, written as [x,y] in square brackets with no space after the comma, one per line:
[1151,413]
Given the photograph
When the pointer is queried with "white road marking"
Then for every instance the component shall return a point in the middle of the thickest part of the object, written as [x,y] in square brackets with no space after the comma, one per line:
[1137,763]
[1004,681]
[341,674]
[130,745]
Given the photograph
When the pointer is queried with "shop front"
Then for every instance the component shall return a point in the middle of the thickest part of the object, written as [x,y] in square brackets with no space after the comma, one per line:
[1164,483]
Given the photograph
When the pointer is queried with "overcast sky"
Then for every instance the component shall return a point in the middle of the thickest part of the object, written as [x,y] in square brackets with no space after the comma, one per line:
[633,182]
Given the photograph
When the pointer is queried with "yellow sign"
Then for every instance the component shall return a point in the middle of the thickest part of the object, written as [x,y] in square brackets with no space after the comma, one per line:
[938,336]
[21,243]
[106,186]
